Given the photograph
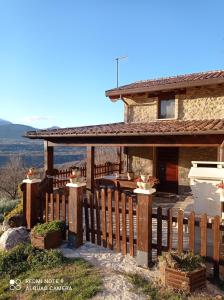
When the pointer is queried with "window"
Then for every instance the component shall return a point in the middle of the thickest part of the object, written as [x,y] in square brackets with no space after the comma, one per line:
[166,109]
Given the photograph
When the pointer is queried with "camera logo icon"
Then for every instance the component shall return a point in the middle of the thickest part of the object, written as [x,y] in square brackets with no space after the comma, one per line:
[15,284]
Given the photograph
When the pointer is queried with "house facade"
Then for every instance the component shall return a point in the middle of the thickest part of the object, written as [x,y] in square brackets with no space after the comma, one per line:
[168,122]
[187,103]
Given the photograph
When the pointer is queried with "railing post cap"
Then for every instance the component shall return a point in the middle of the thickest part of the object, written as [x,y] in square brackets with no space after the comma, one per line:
[144,192]
[31,181]
[76,185]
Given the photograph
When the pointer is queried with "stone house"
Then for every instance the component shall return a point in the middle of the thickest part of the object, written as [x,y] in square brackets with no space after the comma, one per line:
[166,101]
[168,122]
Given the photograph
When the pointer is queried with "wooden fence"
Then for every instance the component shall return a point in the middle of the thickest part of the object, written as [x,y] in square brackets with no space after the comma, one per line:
[62,177]
[110,220]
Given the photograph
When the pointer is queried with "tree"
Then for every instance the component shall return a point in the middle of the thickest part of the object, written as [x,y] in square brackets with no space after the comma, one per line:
[11,176]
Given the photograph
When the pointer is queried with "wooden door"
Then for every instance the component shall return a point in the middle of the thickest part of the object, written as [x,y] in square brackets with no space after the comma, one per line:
[167,169]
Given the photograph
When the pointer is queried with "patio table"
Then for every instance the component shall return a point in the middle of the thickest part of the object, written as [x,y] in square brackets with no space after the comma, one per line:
[120,181]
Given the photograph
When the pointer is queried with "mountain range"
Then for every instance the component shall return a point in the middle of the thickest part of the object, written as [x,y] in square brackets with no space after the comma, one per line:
[8,130]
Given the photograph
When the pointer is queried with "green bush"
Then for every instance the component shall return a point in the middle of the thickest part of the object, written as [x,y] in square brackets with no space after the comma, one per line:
[184,261]
[24,257]
[45,259]
[44,229]
[7,205]
[18,210]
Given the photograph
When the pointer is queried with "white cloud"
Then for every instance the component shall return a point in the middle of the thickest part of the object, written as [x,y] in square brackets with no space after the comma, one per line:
[34,119]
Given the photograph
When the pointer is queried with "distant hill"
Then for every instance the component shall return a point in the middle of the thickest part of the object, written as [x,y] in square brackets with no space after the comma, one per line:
[4,122]
[13,131]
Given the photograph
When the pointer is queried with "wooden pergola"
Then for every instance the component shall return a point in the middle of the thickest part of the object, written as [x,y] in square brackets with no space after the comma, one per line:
[90,141]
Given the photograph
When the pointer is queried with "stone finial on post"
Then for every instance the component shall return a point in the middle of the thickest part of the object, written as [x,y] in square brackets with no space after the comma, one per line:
[75,220]
[144,227]
[31,199]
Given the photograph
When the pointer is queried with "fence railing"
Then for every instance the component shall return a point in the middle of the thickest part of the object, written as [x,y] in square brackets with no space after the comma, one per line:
[62,177]
[110,219]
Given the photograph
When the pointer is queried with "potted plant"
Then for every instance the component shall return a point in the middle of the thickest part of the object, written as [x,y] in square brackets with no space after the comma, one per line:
[31,174]
[48,235]
[139,182]
[184,271]
[75,176]
[148,182]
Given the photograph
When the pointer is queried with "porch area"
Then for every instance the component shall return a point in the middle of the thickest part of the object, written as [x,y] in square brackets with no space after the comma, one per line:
[106,210]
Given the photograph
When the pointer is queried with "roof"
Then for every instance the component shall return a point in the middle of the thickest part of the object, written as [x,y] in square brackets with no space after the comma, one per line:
[169,83]
[168,127]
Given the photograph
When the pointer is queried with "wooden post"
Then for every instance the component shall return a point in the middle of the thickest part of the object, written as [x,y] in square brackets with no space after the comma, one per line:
[48,158]
[75,222]
[120,159]
[220,152]
[32,200]
[144,229]
[90,169]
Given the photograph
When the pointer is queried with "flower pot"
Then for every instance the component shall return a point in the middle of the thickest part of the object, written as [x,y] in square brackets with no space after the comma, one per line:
[185,281]
[139,184]
[146,185]
[144,178]
[51,240]
[73,180]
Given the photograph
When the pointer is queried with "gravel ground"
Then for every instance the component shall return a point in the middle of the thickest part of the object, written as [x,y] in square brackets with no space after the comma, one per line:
[112,265]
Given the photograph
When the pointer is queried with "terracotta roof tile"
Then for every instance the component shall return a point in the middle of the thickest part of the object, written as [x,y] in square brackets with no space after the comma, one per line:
[153,83]
[151,128]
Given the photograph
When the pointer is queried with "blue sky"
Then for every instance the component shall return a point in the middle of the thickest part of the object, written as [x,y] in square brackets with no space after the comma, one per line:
[57,58]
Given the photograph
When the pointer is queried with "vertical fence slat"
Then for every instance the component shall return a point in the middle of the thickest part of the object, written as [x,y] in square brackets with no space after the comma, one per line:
[203,232]
[159,230]
[63,208]
[180,218]
[110,219]
[131,226]
[191,228]
[169,228]
[216,245]
[47,208]
[117,220]
[124,233]
[86,211]
[51,207]
[57,207]
[92,224]
[98,218]
[104,219]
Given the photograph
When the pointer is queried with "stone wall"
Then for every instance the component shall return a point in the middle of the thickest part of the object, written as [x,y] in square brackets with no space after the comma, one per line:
[186,155]
[202,103]
[197,103]
[140,160]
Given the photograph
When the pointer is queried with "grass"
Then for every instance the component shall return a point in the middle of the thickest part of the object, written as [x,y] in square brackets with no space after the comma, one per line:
[45,275]
[156,291]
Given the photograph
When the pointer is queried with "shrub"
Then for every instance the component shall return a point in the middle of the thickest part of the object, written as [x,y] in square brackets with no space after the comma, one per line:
[184,261]
[44,229]
[18,210]
[24,257]
[7,205]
